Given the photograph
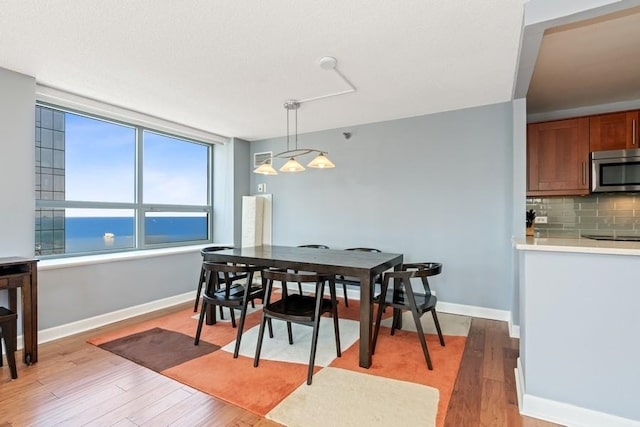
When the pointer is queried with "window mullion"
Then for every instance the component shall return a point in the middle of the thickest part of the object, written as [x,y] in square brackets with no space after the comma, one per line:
[139,184]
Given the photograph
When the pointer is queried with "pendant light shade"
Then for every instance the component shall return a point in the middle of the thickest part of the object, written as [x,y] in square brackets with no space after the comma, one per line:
[321,162]
[292,165]
[266,169]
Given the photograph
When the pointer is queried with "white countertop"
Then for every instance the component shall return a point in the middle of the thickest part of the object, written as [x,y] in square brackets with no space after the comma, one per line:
[587,246]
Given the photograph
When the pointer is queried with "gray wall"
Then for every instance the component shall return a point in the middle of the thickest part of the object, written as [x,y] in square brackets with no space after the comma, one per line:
[17,170]
[436,188]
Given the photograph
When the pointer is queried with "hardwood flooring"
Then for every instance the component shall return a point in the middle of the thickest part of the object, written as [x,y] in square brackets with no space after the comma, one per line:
[75,383]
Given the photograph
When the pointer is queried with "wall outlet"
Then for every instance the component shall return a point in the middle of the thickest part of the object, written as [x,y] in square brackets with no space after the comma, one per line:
[541,220]
[262,188]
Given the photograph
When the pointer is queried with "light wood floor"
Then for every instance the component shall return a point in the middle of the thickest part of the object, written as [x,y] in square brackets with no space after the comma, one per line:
[75,383]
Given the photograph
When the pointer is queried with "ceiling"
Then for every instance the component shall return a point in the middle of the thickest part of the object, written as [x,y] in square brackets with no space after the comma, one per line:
[227,66]
[587,63]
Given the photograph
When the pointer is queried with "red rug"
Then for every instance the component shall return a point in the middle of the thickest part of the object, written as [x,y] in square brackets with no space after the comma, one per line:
[166,345]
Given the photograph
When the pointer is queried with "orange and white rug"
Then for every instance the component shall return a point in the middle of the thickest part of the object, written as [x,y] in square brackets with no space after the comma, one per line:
[397,389]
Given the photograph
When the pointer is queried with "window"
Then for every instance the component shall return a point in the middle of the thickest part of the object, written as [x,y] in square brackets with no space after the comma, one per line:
[105,186]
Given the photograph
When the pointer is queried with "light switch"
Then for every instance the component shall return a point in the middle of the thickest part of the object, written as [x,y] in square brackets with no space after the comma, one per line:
[262,188]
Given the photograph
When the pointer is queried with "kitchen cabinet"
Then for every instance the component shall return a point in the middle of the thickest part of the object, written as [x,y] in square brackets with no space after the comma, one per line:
[558,158]
[614,131]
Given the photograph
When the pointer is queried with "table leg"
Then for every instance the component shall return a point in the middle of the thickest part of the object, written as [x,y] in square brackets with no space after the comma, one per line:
[366,319]
[28,352]
[397,313]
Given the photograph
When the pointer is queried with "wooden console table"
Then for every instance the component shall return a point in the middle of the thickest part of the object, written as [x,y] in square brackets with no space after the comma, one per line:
[16,272]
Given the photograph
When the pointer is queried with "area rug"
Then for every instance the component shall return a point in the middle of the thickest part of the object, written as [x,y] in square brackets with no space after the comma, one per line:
[397,389]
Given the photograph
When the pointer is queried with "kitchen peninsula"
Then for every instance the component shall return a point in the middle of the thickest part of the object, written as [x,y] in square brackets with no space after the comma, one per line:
[579,326]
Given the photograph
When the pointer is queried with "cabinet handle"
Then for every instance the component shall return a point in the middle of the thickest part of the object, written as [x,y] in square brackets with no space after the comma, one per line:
[584,175]
[633,131]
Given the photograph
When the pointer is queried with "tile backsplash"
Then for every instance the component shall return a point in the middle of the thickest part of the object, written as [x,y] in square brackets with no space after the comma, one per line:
[603,214]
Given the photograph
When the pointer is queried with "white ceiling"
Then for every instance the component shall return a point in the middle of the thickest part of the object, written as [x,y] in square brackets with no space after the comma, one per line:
[227,66]
[587,63]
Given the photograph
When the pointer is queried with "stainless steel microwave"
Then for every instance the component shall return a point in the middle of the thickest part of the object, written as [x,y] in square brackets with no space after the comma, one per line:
[615,170]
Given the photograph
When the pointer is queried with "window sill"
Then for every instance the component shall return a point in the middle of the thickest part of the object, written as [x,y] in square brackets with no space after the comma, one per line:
[53,264]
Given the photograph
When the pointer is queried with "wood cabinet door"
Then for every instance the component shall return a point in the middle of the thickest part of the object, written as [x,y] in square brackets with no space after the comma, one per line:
[558,157]
[615,131]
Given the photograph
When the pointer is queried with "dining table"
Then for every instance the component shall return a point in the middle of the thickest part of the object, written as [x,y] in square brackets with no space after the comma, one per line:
[365,266]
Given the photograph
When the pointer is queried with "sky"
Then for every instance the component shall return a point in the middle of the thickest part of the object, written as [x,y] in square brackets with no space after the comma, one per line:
[100,166]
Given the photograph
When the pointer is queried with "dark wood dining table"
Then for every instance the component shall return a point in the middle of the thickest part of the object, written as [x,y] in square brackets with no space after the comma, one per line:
[363,265]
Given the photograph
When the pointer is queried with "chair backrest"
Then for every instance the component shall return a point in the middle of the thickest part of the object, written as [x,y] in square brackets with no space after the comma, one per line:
[314,246]
[423,269]
[204,251]
[364,249]
[217,273]
[420,270]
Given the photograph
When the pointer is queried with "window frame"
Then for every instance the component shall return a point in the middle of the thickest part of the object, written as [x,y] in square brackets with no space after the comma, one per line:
[139,208]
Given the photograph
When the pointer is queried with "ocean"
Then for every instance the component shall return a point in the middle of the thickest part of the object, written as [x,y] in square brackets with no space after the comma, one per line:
[108,233]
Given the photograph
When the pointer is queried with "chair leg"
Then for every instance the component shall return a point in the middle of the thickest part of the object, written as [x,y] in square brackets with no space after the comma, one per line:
[200,321]
[290,333]
[9,332]
[233,317]
[199,291]
[394,322]
[334,314]
[243,315]
[435,320]
[346,300]
[256,359]
[423,341]
[270,328]
[314,345]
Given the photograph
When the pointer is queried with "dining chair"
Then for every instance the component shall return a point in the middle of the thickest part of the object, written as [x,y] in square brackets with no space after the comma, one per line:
[8,333]
[202,278]
[353,280]
[299,309]
[403,297]
[312,247]
[225,289]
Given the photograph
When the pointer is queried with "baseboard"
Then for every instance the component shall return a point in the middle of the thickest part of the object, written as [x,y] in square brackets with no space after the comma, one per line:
[514,330]
[62,331]
[451,308]
[563,413]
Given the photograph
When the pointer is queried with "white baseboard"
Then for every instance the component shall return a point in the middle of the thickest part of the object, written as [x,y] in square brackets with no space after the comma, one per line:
[62,331]
[452,308]
[514,330]
[563,413]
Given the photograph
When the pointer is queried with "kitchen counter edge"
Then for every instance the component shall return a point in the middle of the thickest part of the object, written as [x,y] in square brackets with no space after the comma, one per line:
[586,246]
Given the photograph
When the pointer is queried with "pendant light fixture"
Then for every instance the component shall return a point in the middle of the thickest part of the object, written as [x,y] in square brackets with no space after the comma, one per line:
[321,161]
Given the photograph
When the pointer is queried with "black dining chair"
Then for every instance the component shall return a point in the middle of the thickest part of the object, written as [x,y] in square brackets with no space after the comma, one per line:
[300,309]
[403,297]
[344,281]
[202,278]
[222,291]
